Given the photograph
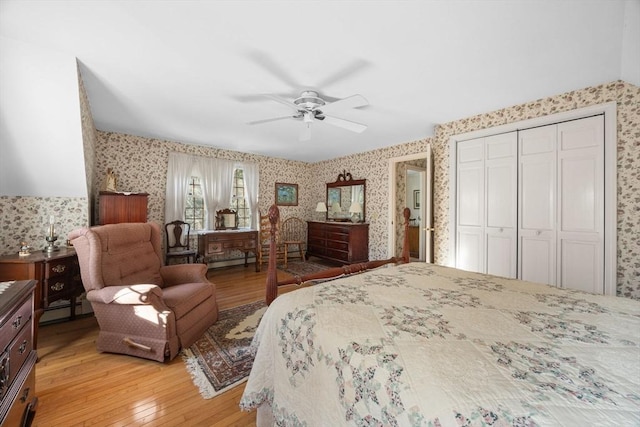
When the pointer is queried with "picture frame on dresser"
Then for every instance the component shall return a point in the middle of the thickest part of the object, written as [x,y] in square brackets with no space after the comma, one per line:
[286,194]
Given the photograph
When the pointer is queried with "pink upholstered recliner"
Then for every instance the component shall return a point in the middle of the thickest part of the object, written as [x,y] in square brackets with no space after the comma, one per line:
[143,308]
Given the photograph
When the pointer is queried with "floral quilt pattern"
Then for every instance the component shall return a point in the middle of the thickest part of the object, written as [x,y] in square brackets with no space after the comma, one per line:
[424,345]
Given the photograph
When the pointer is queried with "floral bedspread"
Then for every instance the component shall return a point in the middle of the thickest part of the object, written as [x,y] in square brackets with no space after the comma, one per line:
[424,345]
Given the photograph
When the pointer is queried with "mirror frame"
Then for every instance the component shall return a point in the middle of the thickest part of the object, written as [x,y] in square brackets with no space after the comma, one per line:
[346,180]
[224,214]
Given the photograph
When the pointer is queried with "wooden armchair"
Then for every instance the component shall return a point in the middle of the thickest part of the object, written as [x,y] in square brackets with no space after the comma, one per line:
[294,234]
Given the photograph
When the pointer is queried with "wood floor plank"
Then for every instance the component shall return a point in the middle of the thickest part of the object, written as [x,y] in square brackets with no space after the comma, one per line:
[77,386]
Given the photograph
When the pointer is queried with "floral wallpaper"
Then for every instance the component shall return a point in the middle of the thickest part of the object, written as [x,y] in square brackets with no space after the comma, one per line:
[140,164]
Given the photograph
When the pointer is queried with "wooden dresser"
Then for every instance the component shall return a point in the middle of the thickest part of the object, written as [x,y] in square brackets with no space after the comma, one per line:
[218,242]
[342,242]
[57,275]
[17,353]
[114,208]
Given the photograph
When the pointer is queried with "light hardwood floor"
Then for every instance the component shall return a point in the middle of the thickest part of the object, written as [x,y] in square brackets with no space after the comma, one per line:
[77,386]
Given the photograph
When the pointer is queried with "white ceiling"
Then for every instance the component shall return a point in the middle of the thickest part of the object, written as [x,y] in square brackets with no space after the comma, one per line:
[191,71]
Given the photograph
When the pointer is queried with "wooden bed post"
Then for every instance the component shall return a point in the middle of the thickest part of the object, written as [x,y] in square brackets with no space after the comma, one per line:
[272,273]
[405,243]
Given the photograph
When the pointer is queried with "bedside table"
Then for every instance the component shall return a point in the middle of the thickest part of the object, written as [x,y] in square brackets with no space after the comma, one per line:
[57,273]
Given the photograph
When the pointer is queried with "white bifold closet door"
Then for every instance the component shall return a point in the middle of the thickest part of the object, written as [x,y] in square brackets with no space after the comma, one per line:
[487,202]
[561,204]
[530,204]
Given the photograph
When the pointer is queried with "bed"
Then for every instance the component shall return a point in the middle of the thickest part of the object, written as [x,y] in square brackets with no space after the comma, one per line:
[416,344]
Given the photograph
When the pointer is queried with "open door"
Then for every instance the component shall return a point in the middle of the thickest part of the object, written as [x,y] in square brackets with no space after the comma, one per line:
[410,185]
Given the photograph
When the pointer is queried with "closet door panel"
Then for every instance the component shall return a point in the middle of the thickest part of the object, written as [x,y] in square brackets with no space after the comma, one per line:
[581,204]
[501,203]
[501,255]
[470,253]
[581,265]
[537,205]
[537,258]
[471,195]
[537,192]
[578,194]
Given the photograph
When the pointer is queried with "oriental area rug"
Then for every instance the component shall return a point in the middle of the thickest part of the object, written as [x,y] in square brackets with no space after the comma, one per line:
[222,358]
[301,268]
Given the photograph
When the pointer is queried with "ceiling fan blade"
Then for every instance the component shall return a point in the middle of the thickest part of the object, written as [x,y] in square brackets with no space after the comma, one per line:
[282,101]
[267,62]
[257,122]
[305,134]
[345,124]
[353,68]
[353,101]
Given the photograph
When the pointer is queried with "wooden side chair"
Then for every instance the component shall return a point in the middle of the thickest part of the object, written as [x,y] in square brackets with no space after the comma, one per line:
[294,235]
[178,241]
[265,238]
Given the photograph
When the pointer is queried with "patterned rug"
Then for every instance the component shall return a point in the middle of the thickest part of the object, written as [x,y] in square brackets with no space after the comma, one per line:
[300,268]
[221,359]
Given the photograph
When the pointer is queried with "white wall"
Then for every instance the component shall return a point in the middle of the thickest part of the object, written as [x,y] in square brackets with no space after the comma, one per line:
[41,152]
[630,63]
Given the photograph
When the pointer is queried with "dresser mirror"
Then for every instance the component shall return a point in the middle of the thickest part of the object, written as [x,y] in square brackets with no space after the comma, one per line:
[346,199]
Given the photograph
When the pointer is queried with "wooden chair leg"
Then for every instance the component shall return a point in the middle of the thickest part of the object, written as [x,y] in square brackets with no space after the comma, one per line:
[286,254]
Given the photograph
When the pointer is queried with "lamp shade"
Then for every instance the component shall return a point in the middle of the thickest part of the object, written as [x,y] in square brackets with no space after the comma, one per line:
[321,207]
[335,207]
[355,208]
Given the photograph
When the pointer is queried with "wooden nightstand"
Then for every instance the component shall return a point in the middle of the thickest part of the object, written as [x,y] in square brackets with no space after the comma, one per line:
[57,273]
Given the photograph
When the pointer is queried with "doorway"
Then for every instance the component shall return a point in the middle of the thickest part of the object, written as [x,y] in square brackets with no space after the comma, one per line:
[410,185]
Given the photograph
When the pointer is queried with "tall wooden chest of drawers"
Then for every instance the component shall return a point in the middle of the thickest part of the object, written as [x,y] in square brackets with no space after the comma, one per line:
[342,242]
[17,354]
[114,208]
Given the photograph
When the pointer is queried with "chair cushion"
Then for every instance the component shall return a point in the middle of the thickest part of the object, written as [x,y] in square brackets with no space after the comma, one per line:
[181,299]
[128,255]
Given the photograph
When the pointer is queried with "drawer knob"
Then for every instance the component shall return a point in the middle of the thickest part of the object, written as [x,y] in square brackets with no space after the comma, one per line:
[22,347]
[58,286]
[25,395]
[59,268]
[17,322]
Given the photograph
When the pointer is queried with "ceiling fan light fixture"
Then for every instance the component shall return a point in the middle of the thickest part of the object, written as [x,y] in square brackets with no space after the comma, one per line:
[308,117]
[309,100]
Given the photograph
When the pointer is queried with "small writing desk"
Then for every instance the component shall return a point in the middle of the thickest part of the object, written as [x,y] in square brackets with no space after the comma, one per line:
[217,242]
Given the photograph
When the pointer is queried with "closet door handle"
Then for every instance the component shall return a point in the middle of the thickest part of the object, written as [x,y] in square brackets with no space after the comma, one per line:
[538,232]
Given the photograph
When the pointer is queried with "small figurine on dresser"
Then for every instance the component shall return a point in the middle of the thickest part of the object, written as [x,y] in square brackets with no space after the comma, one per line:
[25,249]
[110,181]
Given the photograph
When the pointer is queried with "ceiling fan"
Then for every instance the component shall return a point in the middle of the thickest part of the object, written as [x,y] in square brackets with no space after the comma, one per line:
[309,107]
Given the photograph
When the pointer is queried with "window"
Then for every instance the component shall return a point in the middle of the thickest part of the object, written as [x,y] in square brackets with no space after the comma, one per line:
[194,212]
[238,200]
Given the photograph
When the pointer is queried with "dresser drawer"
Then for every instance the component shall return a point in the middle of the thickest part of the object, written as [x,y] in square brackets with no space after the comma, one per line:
[18,351]
[24,401]
[335,235]
[60,267]
[58,288]
[333,244]
[14,324]
[338,255]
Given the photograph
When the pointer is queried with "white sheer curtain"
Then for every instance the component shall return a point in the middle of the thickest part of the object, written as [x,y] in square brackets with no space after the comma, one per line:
[217,185]
[251,181]
[179,170]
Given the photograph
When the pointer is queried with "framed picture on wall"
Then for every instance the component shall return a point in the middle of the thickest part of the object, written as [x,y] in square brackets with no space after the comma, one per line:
[416,199]
[286,194]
